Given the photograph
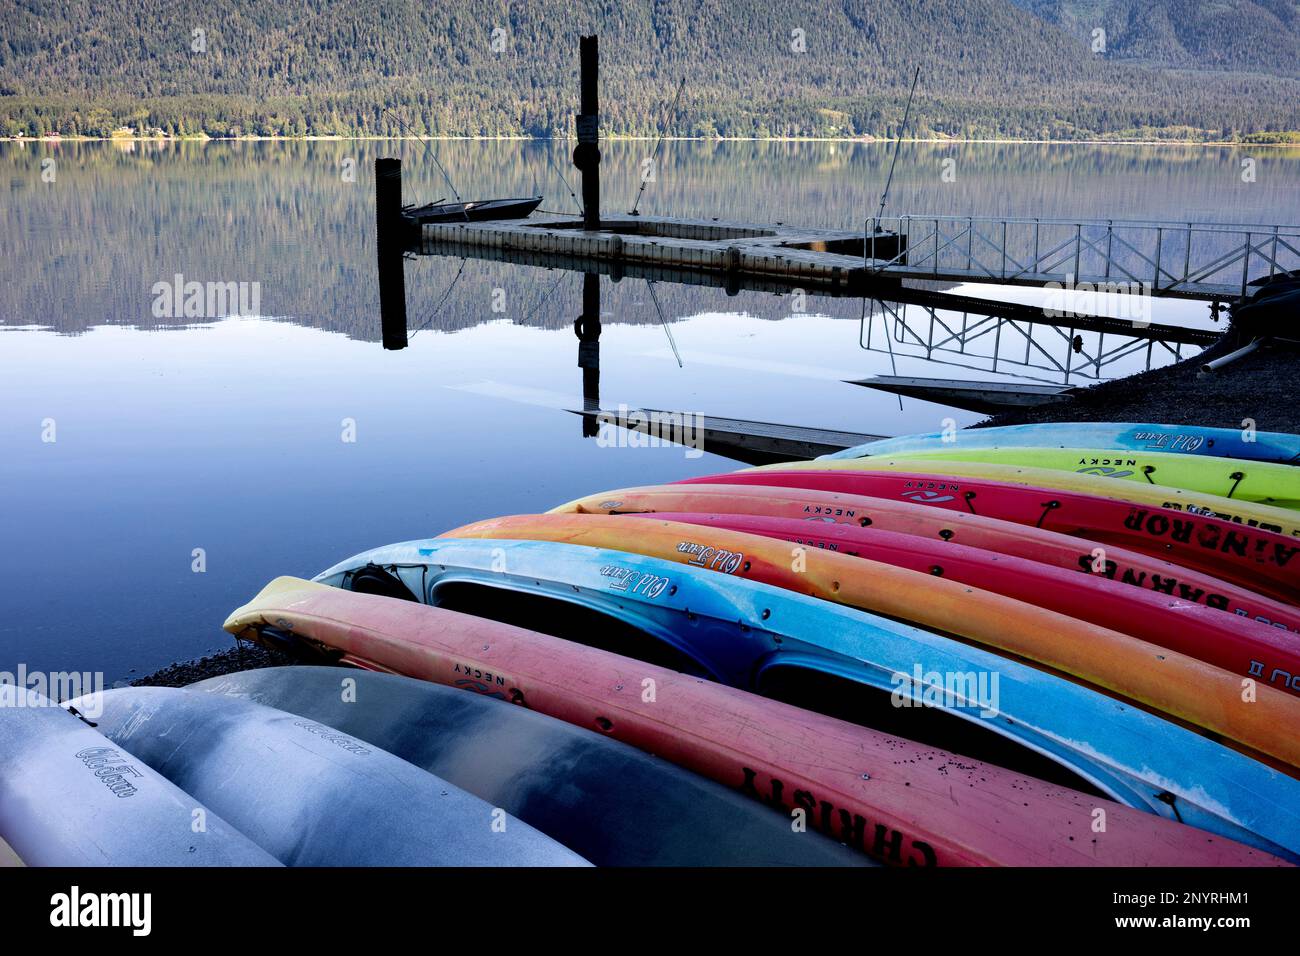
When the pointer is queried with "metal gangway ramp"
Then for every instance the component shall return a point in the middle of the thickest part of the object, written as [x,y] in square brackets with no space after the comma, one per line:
[1218,262]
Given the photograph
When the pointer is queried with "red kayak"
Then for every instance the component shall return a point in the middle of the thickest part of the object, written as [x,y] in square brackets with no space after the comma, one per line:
[903,803]
[1129,568]
[1263,561]
[1241,646]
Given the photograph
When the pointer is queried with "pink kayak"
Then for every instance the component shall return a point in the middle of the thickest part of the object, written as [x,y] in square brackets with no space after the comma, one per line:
[1242,646]
[903,803]
[1263,561]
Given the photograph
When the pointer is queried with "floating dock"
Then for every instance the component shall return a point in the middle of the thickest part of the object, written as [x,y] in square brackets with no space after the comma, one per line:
[812,259]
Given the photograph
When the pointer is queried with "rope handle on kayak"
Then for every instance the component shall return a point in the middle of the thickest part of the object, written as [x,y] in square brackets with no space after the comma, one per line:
[1169,798]
[1048,508]
[81,717]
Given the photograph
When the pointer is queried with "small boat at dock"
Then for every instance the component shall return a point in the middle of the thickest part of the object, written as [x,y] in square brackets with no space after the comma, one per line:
[481,210]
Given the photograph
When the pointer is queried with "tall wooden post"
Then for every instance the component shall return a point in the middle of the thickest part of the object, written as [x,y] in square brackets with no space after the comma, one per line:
[586,155]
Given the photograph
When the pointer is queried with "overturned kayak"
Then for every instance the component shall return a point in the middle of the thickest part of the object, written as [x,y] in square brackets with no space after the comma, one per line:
[311,796]
[607,801]
[888,797]
[1249,514]
[71,797]
[834,658]
[1245,444]
[1199,631]
[1165,678]
[1262,561]
[818,509]
[1265,482]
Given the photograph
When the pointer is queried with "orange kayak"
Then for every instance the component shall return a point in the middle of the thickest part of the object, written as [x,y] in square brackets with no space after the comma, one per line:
[889,797]
[1155,677]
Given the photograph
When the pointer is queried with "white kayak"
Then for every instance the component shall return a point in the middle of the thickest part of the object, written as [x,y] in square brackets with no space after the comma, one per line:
[310,795]
[71,797]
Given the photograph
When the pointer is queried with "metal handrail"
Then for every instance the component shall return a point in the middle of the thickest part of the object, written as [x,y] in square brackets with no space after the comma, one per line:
[1184,225]
[1091,250]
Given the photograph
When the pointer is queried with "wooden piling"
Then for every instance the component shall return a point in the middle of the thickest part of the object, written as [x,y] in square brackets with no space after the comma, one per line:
[586,155]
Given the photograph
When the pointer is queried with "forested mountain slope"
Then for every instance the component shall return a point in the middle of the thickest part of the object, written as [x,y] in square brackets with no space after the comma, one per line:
[1233,35]
[753,67]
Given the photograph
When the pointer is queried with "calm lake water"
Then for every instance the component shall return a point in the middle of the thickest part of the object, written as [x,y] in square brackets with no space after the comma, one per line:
[229,434]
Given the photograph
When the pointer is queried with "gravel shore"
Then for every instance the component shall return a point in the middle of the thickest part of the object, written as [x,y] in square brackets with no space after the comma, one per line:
[1261,387]
[242,657]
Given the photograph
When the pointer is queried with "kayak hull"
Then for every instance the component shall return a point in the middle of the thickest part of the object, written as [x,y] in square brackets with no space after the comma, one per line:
[1170,682]
[607,801]
[1115,436]
[1265,482]
[311,796]
[1242,646]
[885,796]
[1247,514]
[819,509]
[1260,560]
[69,796]
[750,635]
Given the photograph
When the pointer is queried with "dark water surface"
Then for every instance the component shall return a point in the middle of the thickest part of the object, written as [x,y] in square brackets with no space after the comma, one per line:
[227,434]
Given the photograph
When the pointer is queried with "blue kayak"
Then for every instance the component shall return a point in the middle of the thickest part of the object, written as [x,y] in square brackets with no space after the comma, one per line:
[849,664]
[1108,436]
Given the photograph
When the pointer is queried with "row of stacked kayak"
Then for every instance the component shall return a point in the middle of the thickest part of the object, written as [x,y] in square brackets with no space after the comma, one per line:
[1070,644]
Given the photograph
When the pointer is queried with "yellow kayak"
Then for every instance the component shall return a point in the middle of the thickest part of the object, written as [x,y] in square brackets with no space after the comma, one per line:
[1260,481]
[1251,513]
